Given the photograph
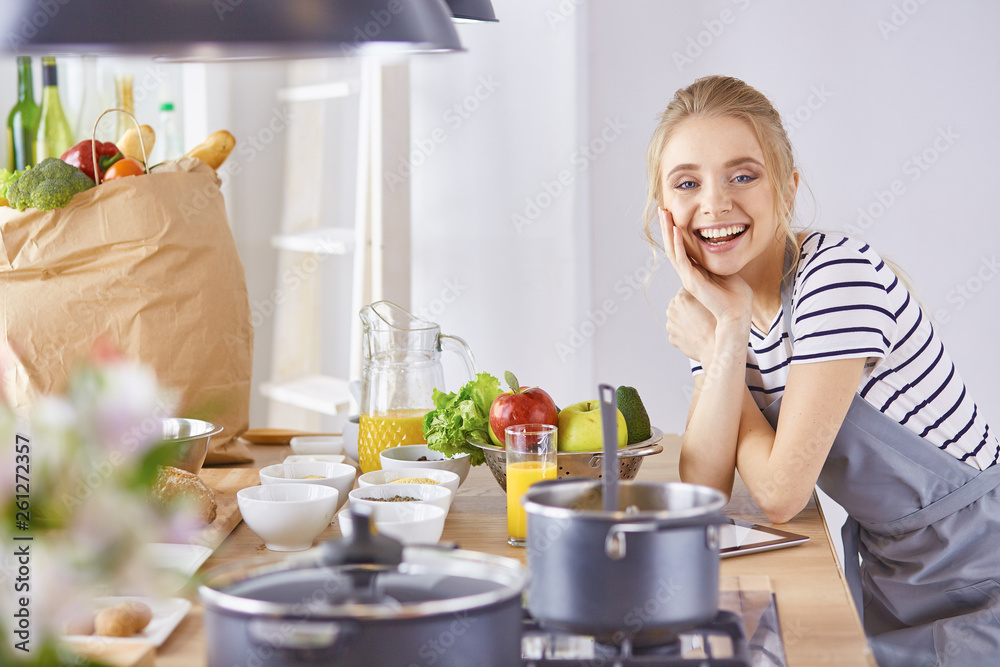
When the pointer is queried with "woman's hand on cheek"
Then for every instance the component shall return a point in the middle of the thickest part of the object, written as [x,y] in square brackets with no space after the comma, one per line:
[726,297]
[690,326]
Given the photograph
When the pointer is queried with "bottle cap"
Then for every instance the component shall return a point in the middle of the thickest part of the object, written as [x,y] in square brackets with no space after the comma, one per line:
[167,106]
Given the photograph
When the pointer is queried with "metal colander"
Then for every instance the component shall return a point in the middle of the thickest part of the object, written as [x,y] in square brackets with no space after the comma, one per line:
[583,464]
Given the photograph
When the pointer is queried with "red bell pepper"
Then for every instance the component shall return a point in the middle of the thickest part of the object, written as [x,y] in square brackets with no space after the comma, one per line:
[81,156]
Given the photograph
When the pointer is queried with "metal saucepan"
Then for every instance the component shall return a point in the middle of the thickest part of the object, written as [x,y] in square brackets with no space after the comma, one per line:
[643,571]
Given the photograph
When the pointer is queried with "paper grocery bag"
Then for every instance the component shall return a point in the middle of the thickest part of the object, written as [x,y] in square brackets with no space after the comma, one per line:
[147,264]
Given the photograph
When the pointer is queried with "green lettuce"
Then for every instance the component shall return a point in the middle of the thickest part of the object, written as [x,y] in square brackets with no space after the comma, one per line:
[462,418]
[6,178]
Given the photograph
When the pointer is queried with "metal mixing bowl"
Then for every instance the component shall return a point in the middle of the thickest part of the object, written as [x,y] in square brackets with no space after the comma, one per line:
[190,437]
[582,464]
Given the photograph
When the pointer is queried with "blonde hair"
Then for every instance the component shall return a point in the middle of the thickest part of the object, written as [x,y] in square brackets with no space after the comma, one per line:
[726,97]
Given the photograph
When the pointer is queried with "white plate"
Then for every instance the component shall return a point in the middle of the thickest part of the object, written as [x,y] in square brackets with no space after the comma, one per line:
[167,614]
[182,560]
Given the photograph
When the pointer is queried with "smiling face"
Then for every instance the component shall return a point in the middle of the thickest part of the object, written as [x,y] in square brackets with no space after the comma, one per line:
[715,185]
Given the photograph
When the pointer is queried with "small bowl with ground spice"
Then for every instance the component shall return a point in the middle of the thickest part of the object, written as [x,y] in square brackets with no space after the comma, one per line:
[382,495]
[432,476]
[410,523]
[339,476]
[422,456]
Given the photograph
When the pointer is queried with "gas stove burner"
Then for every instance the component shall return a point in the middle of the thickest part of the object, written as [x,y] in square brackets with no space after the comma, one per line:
[744,633]
[719,643]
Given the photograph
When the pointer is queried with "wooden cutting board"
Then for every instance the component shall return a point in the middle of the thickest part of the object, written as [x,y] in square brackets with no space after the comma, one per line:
[225,482]
[115,654]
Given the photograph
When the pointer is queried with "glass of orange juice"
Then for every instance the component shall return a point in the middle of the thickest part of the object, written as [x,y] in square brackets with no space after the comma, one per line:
[531,457]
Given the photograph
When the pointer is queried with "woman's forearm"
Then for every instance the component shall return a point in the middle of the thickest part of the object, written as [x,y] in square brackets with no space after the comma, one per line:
[708,455]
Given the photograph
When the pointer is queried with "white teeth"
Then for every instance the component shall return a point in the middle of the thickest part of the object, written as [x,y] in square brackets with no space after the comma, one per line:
[720,232]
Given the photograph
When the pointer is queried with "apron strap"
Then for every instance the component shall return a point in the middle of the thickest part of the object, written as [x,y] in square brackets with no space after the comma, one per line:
[787,278]
[963,496]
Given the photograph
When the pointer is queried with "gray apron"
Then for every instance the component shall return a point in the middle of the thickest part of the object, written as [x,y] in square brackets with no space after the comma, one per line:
[927,528]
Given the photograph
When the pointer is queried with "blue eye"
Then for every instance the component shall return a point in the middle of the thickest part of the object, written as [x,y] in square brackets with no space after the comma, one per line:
[686,185]
[745,178]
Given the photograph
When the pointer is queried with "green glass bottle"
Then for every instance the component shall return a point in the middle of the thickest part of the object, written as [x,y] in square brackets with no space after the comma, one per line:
[22,122]
[54,134]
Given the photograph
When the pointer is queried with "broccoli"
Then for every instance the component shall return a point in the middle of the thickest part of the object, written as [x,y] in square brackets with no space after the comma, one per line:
[49,184]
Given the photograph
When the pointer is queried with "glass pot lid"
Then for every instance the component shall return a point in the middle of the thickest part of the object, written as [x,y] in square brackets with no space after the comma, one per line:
[428,581]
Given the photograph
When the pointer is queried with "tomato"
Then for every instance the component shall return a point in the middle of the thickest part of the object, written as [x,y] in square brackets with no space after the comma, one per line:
[124,167]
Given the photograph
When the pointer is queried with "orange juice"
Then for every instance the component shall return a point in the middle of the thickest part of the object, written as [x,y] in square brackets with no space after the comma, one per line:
[380,431]
[520,476]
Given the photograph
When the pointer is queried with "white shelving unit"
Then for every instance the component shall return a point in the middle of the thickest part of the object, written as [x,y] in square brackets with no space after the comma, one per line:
[376,243]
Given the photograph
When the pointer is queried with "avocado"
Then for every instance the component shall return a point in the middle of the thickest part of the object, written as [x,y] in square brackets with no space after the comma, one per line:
[636,418]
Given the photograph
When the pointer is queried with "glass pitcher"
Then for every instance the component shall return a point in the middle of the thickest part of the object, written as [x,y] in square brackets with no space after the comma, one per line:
[402,366]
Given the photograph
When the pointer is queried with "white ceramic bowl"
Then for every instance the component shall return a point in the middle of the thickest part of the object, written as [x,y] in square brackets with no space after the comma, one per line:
[445,478]
[405,456]
[426,494]
[338,476]
[410,523]
[288,517]
[317,444]
[315,458]
[351,426]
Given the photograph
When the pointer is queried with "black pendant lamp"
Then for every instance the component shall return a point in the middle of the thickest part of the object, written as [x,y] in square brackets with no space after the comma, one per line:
[228,29]
[472,10]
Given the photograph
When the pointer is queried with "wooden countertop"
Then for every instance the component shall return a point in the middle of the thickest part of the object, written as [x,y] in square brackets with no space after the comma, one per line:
[818,620]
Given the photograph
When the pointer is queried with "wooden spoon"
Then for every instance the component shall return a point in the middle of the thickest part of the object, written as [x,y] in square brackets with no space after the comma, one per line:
[275,436]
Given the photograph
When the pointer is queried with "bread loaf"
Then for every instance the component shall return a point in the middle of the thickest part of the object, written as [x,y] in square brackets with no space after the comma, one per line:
[174,485]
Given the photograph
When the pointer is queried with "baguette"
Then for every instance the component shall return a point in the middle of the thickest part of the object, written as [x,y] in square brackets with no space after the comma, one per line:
[214,150]
[130,146]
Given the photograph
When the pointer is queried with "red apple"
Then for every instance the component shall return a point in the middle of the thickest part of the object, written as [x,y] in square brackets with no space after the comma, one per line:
[520,405]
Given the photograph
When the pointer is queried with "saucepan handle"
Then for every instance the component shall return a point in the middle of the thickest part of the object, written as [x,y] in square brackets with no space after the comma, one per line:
[615,544]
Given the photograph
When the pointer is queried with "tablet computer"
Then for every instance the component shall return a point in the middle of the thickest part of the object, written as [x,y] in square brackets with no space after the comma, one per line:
[741,537]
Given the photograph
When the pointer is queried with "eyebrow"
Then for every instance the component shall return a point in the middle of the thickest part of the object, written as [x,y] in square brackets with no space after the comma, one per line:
[729,165]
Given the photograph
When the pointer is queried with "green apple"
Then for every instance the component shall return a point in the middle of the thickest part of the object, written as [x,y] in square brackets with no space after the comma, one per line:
[580,428]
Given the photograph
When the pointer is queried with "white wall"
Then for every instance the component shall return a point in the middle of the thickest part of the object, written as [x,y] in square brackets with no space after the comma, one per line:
[491,128]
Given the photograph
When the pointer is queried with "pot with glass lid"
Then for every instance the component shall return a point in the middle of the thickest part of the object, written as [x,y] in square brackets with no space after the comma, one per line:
[366,601]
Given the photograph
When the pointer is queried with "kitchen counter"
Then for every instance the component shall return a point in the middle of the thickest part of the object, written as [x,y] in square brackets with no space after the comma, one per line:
[818,620]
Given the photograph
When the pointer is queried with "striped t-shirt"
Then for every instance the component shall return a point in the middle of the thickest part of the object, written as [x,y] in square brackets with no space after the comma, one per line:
[847,303]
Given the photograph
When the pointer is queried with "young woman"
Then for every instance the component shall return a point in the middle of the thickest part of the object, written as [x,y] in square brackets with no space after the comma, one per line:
[814,364]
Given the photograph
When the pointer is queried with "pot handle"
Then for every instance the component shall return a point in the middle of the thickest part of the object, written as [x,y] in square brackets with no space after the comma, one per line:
[614,543]
[642,451]
[295,635]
